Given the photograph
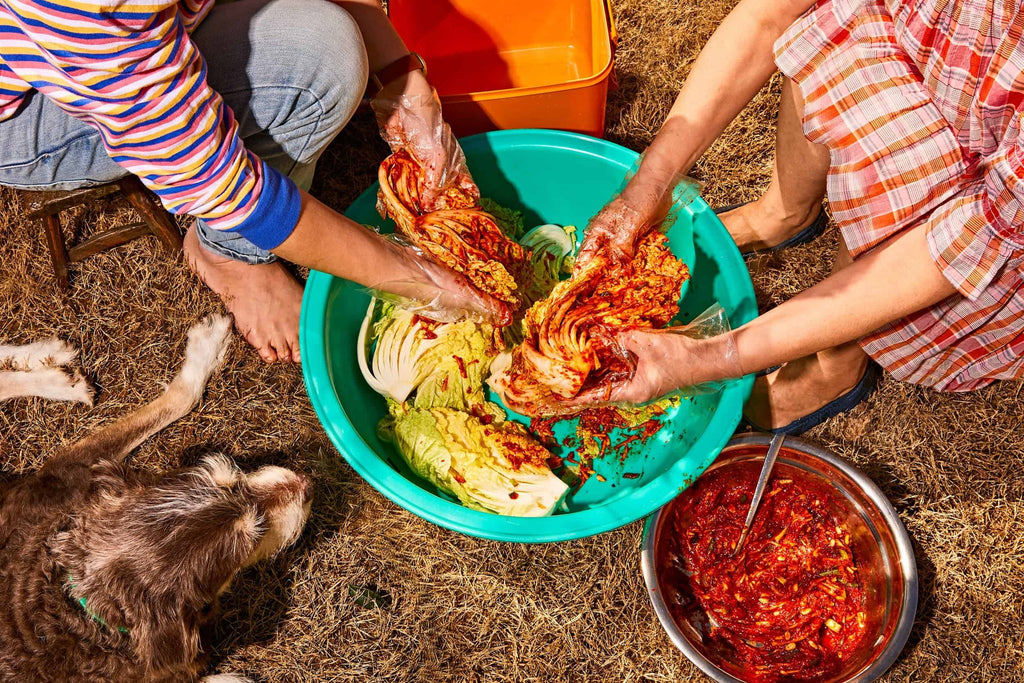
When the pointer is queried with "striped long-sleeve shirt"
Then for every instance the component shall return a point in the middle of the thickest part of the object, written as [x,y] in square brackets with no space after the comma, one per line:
[129,68]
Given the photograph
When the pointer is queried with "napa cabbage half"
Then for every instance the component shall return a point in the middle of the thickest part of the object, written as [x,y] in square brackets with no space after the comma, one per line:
[495,468]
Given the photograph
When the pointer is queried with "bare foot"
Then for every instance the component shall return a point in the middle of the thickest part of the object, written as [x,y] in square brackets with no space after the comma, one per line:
[265,299]
[764,223]
[803,386]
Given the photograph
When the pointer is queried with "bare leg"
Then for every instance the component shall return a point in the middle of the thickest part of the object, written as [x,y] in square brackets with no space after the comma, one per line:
[803,386]
[265,299]
[793,198]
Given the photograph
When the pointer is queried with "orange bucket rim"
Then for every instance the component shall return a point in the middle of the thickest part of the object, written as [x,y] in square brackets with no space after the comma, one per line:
[525,91]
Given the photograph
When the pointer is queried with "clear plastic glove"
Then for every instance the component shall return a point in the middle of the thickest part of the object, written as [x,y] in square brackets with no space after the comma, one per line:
[641,205]
[434,291]
[688,360]
[411,120]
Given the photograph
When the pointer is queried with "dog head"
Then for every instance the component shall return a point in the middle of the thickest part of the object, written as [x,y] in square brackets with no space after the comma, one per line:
[154,556]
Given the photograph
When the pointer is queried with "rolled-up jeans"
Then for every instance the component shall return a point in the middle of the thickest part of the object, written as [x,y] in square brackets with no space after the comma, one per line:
[292,71]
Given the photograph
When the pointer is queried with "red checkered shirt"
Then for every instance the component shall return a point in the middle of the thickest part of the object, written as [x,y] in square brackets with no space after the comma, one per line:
[919,104]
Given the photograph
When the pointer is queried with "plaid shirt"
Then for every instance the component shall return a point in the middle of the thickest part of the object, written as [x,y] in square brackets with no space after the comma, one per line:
[919,104]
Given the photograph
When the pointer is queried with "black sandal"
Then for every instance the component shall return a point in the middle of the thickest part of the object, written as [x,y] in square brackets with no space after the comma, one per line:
[808,234]
[864,388]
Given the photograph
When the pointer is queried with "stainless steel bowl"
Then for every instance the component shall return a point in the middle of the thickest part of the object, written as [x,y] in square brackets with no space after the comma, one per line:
[880,543]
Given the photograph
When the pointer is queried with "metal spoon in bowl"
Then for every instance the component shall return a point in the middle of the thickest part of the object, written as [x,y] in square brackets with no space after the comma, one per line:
[762,482]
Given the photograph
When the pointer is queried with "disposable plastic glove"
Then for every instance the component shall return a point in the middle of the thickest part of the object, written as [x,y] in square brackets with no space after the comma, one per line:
[641,206]
[412,121]
[435,291]
[692,359]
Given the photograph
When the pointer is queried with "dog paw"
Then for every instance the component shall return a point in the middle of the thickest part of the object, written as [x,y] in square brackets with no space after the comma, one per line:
[51,352]
[54,384]
[81,389]
[225,678]
[206,350]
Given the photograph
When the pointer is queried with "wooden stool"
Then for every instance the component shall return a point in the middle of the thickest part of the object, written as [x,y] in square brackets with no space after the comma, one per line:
[46,208]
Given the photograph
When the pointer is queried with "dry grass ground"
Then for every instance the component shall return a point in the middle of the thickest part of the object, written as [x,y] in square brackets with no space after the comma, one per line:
[460,609]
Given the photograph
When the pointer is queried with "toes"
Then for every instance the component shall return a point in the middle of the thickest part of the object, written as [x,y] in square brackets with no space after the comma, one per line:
[262,346]
[283,349]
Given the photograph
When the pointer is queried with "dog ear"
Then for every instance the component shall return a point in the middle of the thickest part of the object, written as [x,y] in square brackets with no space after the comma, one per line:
[166,636]
[166,630]
[209,547]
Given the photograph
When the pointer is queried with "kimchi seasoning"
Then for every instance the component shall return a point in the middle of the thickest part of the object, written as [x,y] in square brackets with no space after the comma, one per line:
[791,602]
[462,366]
[593,439]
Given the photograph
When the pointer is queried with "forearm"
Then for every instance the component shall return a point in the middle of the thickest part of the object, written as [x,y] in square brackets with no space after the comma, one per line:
[330,242]
[732,67]
[327,241]
[383,44]
[890,282]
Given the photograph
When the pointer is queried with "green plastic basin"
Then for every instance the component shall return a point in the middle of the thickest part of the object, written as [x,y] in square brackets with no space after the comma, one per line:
[554,177]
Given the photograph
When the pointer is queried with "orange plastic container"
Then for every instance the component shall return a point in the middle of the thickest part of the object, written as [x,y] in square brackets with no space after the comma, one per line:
[514,63]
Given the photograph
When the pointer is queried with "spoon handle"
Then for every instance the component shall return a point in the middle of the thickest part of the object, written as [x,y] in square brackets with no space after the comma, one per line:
[762,482]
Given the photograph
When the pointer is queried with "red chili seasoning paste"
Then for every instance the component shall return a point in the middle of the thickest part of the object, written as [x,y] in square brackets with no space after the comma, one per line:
[791,602]
[592,438]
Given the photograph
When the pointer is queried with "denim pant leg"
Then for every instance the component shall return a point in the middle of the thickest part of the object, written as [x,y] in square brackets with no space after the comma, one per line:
[293,74]
[44,148]
[292,71]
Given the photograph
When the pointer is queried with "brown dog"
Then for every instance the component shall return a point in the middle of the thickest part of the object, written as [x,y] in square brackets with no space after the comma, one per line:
[108,573]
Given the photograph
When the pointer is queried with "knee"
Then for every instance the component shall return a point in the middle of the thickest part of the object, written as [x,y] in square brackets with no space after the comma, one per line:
[342,68]
[322,52]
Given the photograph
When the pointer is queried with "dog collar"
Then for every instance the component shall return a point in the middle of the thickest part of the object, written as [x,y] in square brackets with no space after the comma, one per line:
[92,615]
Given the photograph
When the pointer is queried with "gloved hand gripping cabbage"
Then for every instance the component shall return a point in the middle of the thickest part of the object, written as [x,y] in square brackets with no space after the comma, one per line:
[432,375]
[575,352]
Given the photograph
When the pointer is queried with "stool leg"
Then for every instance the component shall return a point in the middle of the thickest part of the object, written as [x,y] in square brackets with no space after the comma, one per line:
[153,214]
[58,251]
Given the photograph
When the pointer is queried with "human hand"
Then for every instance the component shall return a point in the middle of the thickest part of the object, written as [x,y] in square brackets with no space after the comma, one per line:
[409,115]
[612,234]
[660,363]
[434,291]
[665,361]
[645,202]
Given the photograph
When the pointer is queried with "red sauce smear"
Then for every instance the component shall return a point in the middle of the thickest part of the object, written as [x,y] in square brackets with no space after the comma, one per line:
[643,432]
[427,325]
[595,425]
[479,413]
[791,603]
[601,420]
[462,366]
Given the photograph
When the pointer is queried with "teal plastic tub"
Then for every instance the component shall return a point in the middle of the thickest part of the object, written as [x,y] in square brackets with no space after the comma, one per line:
[553,177]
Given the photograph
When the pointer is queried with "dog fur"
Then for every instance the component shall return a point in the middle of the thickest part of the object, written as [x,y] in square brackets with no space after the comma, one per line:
[35,370]
[149,552]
